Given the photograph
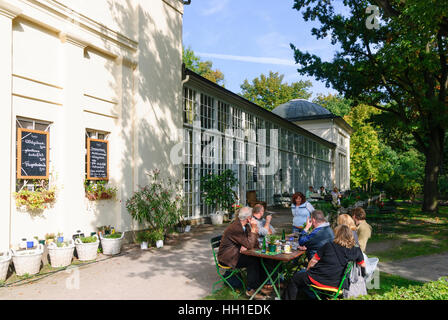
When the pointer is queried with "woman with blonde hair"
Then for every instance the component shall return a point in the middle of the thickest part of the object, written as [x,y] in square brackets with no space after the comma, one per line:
[327,266]
[349,222]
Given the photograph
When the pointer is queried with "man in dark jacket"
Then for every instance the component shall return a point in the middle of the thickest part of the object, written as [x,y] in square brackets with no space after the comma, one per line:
[321,234]
[240,235]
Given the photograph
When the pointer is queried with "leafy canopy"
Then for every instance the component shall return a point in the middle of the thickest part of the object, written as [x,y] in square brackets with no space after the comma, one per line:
[270,91]
[203,68]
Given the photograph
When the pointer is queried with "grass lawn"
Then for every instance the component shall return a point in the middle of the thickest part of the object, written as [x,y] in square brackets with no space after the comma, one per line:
[410,231]
[386,283]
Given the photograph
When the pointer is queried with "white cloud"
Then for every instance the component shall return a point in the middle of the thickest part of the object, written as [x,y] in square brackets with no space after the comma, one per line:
[264,60]
[214,7]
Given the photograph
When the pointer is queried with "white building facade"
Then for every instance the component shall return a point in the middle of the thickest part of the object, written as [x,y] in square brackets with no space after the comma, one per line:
[318,120]
[78,69]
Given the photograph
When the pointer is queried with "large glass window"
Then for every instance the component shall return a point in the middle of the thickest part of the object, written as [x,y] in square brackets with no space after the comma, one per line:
[207,112]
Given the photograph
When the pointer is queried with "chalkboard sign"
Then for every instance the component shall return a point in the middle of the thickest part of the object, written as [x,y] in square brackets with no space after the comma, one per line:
[97,159]
[32,154]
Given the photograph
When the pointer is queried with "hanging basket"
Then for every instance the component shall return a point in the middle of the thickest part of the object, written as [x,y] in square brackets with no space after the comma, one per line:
[4,265]
[111,246]
[87,251]
[61,256]
[27,261]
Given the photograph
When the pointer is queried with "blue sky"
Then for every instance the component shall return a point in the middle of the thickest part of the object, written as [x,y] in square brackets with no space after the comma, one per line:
[245,38]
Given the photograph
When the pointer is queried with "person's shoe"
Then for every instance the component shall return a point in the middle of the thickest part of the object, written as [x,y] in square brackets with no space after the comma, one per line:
[258,296]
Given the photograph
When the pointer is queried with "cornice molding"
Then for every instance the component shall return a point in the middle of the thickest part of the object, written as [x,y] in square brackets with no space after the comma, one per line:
[8,10]
[61,11]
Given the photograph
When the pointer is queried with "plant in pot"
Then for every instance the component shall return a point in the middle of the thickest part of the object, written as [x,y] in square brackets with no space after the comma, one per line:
[27,261]
[99,190]
[111,243]
[87,247]
[218,193]
[156,237]
[61,253]
[159,204]
[183,225]
[142,237]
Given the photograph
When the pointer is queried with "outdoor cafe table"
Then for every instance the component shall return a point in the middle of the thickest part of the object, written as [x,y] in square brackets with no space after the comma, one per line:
[281,258]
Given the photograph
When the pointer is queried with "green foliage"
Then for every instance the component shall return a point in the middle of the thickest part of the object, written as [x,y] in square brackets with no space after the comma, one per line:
[115,235]
[272,238]
[98,189]
[218,189]
[203,68]
[39,199]
[90,239]
[160,203]
[270,91]
[399,68]
[336,104]
[434,290]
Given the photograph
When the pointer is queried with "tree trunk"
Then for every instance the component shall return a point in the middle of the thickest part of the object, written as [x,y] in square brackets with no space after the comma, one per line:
[434,160]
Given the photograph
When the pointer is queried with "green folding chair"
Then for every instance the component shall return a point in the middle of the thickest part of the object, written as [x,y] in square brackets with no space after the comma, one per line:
[331,293]
[215,242]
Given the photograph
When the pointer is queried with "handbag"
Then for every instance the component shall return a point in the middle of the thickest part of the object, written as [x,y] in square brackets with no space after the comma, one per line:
[357,284]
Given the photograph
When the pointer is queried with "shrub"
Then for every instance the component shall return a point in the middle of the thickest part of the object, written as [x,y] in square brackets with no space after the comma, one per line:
[435,290]
[160,203]
[218,189]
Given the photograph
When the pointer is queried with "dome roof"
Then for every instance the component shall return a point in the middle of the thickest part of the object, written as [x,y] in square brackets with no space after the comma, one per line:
[298,109]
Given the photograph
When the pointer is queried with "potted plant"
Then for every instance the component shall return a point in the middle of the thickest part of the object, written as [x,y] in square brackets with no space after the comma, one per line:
[142,238]
[183,225]
[5,259]
[158,204]
[27,261]
[61,253]
[49,238]
[87,247]
[218,192]
[38,199]
[156,237]
[111,243]
[99,190]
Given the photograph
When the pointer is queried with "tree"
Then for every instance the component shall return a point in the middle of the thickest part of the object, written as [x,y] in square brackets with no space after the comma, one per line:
[270,91]
[203,68]
[336,104]
[364,148]
[400,68]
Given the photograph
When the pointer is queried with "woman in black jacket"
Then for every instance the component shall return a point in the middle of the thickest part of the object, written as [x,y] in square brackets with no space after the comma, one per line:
[327,266]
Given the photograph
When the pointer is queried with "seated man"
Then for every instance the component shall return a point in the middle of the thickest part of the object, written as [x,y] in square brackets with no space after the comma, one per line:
[321,234]
[263,224]
[240,235]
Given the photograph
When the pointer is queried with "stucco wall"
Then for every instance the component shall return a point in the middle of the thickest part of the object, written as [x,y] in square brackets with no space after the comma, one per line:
[111,66]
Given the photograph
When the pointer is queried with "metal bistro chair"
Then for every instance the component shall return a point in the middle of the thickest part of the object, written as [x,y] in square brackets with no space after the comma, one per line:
[215,242]
[331,293]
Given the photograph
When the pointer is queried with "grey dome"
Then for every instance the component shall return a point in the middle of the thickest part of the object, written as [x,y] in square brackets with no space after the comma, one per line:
[297,109]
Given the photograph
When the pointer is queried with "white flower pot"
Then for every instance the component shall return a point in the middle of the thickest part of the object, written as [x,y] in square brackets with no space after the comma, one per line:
[27,261]
[5,259]
[144,245]
[217,217]
[61,256]
[87,251]
[159,243]
[111,246]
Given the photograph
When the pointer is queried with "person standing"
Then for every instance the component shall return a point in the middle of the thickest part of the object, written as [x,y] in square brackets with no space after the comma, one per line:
[301,211]
[364,230]
[241,235]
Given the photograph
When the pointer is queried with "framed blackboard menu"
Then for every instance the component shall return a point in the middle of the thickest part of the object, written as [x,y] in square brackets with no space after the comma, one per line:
[97,159]
[32,154]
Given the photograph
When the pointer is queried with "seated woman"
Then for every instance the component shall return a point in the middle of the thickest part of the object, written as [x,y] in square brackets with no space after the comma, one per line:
[301,210]
[348,221]
[327,267]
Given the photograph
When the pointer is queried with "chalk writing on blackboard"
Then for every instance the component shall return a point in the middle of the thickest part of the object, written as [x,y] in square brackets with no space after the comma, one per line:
[97,159]
[32,154]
